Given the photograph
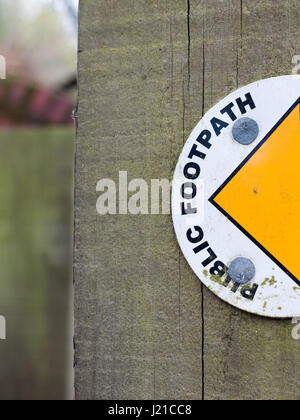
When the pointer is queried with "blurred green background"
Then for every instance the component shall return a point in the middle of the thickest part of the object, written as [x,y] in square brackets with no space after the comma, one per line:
[38,40]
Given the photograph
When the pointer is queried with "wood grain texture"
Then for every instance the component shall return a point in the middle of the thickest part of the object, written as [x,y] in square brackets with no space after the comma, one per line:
[145,327]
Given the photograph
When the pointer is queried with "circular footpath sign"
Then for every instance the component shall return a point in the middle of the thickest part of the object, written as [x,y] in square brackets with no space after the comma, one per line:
[236,198]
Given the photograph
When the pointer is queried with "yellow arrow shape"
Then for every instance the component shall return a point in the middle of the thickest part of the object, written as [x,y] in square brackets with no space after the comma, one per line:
[263,197]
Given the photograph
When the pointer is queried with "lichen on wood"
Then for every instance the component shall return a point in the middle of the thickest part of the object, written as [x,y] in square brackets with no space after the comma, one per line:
[145,327]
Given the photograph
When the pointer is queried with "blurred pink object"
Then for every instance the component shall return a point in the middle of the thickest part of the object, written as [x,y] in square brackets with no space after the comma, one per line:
[22,104]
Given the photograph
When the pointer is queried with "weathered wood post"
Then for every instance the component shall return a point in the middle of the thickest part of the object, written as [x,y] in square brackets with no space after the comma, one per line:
[145,326]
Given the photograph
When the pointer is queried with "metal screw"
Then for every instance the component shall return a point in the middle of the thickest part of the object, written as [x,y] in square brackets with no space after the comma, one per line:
[242,270]
[245,131]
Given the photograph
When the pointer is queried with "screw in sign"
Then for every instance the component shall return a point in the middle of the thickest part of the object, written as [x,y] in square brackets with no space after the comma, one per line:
[236,198]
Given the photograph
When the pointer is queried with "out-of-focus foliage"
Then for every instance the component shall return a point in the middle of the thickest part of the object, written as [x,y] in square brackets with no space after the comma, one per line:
[23,105]
[36,173]
[37,42]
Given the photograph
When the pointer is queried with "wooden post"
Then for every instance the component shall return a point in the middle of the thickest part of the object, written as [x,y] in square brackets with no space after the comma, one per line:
[145,326]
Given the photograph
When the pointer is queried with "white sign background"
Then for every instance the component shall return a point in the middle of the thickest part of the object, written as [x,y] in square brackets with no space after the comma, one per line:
[281,299]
